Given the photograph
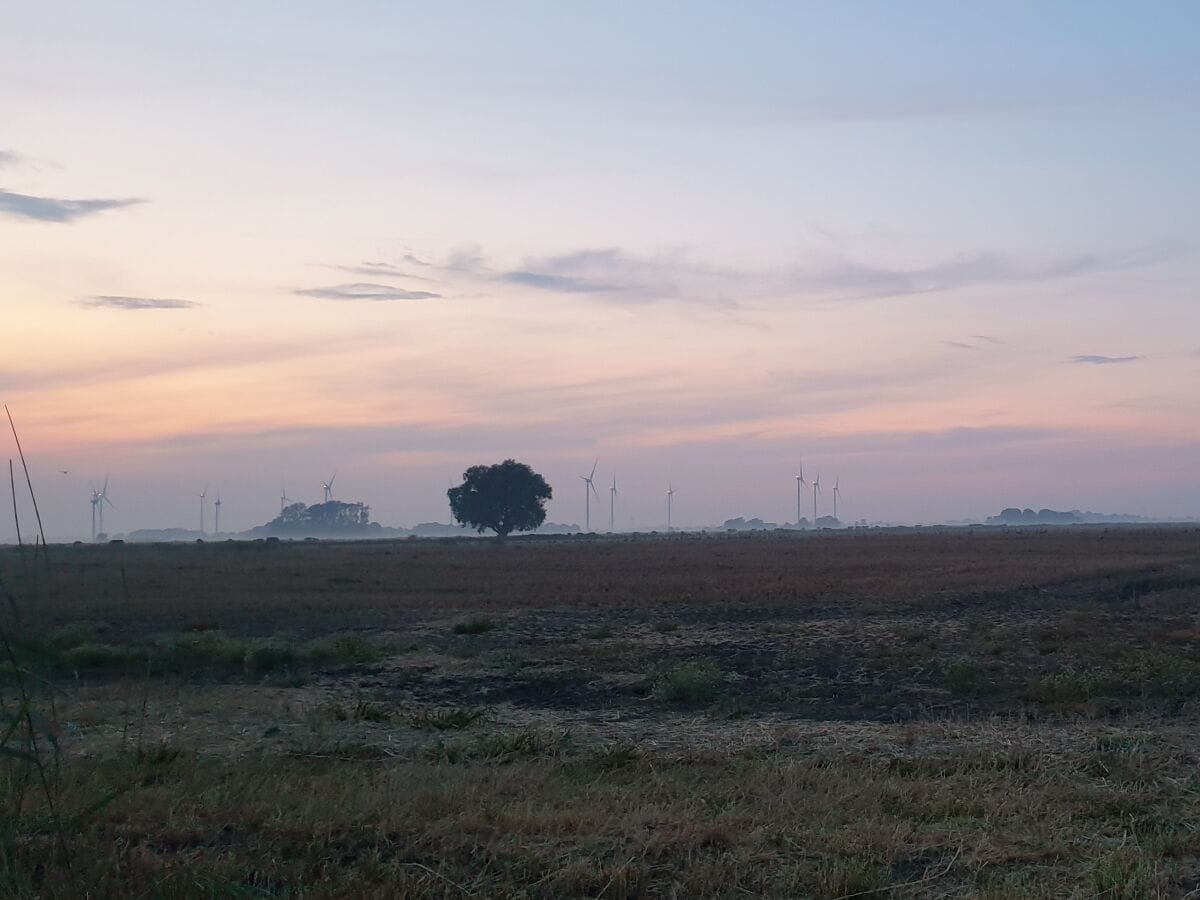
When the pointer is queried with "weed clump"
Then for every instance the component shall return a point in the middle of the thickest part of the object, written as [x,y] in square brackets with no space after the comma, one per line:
[965,675]
[94,656]
[474,625]
[342,648]
[503,747]
[696,681]
[267,656]
[1067,686]
[361,711]
[446,719]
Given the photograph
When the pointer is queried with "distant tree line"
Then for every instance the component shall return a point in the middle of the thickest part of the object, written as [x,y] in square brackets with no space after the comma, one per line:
[1015,516]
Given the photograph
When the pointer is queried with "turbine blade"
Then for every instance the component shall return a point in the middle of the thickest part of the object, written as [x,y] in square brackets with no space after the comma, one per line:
[593,474]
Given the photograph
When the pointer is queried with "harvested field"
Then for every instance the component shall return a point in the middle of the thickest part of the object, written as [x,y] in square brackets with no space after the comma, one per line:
[971,712]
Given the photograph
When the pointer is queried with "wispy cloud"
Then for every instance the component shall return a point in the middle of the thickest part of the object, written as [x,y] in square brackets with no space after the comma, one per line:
[50,209]
[365,291]
[563,284]
[849,279]
[975,342]
[614,275]
[107,301]
[1091,359]
[383,270]
[10,158]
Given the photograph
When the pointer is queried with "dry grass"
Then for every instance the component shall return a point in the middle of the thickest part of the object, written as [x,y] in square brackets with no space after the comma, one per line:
[982,714]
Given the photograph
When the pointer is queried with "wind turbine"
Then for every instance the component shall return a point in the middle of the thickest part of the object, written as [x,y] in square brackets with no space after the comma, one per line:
[670,497]
[202,495]
[217,515]
[589,489]
[328,486]
[99,498]
[612,504]
[816,490]
[837,492]
[800,483]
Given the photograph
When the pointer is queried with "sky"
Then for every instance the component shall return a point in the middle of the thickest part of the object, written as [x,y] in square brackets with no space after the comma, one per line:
[943,253]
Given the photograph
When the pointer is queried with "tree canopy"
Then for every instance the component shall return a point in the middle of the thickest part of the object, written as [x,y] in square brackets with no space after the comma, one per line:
[330,518]
[506,497]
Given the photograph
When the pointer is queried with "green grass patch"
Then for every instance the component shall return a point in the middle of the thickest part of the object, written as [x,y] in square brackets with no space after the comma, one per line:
[79,649]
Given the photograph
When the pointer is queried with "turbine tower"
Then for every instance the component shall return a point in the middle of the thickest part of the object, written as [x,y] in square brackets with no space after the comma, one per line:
[96,501]
[612,504]
[217,515]
[670,497]
[202,495]
[837,492]
[800,484]
[588,490]
[816,490]
[284,499]
[328,486]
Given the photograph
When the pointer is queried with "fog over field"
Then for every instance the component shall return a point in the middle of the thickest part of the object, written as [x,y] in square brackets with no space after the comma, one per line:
[945,254]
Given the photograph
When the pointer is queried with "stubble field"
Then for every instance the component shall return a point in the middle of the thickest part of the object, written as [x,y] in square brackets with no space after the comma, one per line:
[951,713]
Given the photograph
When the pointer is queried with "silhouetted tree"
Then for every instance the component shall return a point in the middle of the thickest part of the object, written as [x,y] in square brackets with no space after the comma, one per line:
[331,517]
[506,497]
